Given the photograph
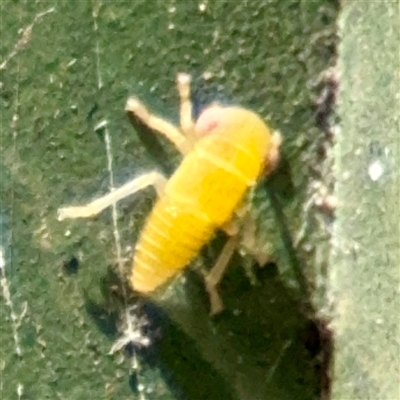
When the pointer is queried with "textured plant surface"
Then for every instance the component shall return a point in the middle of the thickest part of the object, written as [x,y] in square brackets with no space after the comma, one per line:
[67,69]
[364,274]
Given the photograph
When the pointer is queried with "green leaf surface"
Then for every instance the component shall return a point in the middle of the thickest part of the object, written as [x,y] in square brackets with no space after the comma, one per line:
[365,275]
[67,69]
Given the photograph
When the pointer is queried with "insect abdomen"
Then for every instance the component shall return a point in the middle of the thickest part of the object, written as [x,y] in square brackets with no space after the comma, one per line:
[172,236]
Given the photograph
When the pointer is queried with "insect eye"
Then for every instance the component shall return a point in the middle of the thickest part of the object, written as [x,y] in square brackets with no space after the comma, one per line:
[208,120]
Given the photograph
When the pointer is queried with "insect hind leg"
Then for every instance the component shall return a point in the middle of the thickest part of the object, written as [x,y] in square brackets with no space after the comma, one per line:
[241,231]
[95,207]
[216,273]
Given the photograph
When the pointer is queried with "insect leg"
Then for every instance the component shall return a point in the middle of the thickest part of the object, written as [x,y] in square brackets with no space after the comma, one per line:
[96,206]
[158,124]
[215,274]
[248,240]
[185,111]
[273,155]
[241,230]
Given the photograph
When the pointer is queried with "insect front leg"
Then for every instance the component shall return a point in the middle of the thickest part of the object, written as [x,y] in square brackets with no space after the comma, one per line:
[185,111]
[182,141]
[158,124]
[153,178]
[272,158]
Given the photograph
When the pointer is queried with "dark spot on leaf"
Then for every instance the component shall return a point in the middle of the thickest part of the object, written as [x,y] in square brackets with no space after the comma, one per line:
[71,265]
[92,111]
[318,340]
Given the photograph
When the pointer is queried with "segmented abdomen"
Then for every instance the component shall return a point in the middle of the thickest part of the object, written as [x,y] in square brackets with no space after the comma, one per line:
[200,197]
[171,237]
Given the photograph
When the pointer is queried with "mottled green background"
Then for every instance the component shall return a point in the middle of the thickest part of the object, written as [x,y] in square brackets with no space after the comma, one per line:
[71,71]
[365,273]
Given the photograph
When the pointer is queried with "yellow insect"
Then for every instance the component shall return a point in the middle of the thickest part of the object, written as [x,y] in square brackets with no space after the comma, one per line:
[225,152]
